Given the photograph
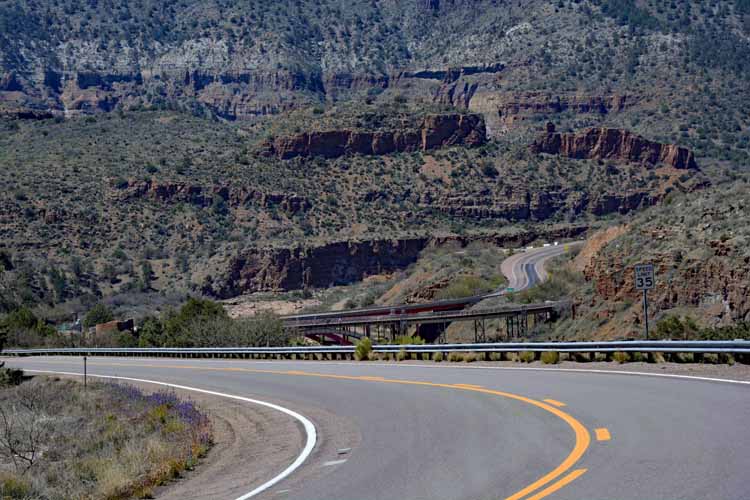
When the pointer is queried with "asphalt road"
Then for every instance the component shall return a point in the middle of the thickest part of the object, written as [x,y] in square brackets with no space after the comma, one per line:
[525,269]
[424,437]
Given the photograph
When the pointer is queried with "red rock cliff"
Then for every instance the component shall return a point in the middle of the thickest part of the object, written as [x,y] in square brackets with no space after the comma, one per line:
[435,131]
[613,144]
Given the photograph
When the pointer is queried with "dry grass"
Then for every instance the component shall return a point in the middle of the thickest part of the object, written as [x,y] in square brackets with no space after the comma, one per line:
[110,442]
[455,357]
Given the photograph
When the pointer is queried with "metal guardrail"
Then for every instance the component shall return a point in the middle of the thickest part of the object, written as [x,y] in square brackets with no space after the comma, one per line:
[666,346]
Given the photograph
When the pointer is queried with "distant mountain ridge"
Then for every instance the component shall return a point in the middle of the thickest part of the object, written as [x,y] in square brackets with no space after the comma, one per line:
[238,60]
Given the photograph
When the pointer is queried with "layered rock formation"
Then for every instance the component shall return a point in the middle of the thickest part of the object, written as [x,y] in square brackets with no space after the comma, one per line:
[613,144]
[343,262]
[205,196]
[516,203]
[718,285]
[435,131]
[544,103]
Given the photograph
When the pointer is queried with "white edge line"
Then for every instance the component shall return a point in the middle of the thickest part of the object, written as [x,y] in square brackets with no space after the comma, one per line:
[309,427]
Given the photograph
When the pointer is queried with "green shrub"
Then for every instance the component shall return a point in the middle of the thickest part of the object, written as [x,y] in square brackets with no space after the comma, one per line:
[550,357]
[496,356]
[455,357]
[621,357]
[363,350]
[13,487]
[527,357]
[96,315]
[467,286]
[437,357]
[10,376]
[409,340]
[425,356]
[470,357]
[682,357]
[673,327]
[726,359]
[402,355]
[637,357]
[711,358]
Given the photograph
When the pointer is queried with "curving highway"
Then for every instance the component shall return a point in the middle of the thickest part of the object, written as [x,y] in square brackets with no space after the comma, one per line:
[523,270]
[475,433]
[527,268]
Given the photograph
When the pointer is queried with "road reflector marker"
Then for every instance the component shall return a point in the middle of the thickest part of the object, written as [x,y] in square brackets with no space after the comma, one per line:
[334,462]
[343,451]
[555,402]
[602,434]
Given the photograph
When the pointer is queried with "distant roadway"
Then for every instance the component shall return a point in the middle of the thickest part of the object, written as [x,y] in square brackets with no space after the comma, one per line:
[523,270]
[527,268]
[435,432]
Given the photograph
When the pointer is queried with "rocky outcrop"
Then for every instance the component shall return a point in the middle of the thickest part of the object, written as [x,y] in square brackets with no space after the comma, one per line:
[717,284]
[322,266]
[205,196]
[518,203]
[343,262]
[435,131]
[450,75]
[521,107]
[504,112]
[613,144]
[25,114]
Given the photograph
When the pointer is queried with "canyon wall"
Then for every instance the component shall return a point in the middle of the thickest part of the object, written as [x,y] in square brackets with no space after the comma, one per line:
[719,285]
[435,131]
[205,196]
[613,144]
[344,262]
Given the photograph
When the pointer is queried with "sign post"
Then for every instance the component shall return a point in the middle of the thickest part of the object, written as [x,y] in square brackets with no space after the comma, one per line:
[644,280]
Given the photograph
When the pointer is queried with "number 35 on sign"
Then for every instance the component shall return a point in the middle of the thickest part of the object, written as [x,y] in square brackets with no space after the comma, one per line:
[644,277]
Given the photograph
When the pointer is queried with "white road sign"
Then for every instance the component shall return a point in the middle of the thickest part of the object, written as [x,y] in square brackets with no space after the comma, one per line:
[644,277]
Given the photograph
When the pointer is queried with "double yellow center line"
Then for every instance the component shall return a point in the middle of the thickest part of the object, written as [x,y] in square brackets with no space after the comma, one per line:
[551,482]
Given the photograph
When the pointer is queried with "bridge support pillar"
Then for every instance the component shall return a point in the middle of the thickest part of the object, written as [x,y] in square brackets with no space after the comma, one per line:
[480,331]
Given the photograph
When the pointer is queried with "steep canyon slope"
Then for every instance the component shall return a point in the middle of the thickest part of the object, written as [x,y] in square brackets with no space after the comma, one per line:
[151,149]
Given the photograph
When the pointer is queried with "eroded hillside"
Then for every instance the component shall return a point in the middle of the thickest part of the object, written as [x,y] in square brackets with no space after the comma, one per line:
[156,149]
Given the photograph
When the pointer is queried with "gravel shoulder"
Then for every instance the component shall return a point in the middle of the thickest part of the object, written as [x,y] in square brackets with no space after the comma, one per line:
[252,444]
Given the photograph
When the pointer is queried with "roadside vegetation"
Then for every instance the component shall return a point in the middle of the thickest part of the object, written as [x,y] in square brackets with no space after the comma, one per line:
[197,323]
[110,441]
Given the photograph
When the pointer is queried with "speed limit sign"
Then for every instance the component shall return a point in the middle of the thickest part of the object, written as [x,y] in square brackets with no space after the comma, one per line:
[644,277]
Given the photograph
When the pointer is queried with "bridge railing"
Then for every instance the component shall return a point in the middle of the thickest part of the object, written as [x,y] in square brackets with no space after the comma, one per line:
[431,316]
[664,346]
